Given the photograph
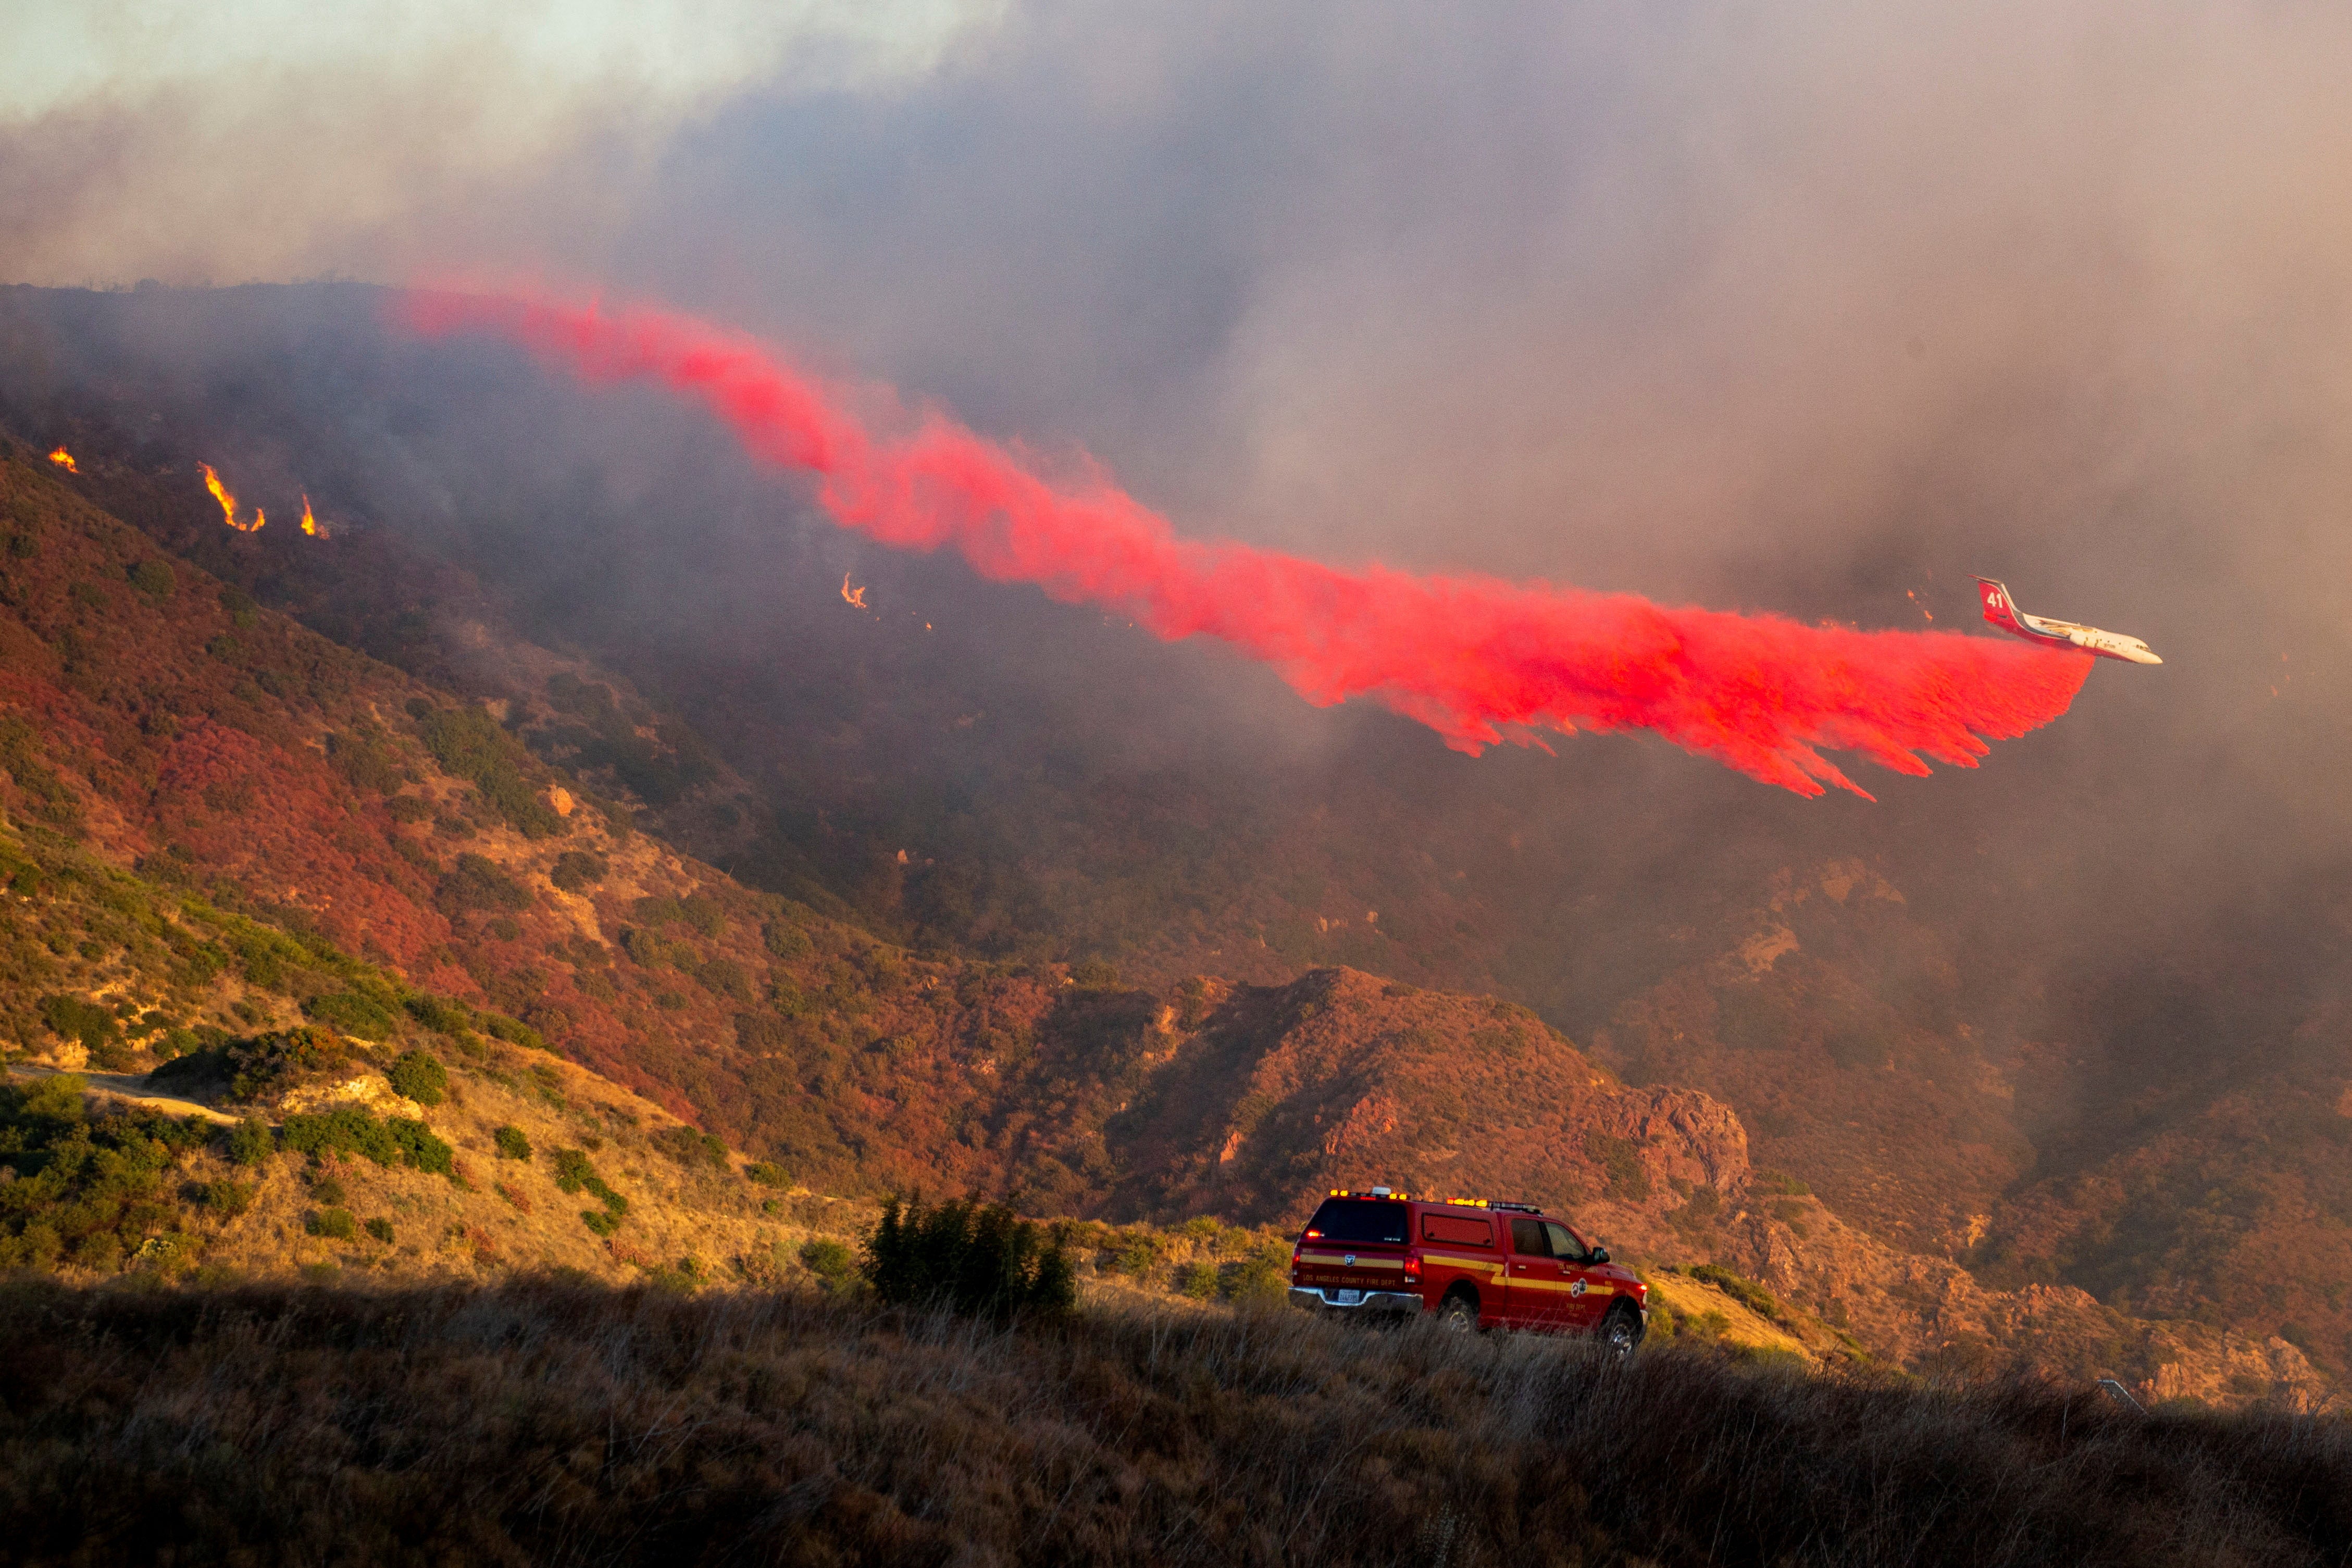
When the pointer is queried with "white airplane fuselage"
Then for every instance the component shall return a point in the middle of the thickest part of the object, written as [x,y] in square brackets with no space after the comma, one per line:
[2002,611]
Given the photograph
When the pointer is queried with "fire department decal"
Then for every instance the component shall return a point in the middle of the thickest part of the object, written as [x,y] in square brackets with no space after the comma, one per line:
[1577,1288]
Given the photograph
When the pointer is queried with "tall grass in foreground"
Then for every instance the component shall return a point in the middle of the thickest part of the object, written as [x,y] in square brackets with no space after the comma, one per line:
[559,1423]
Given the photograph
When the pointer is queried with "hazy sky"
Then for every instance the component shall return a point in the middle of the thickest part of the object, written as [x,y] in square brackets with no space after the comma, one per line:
[1713,300]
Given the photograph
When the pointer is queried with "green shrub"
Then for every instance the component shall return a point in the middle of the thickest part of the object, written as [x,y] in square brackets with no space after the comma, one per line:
[1197,1280]
[577,870]
[512,1144]
[230,1198]
[1621,1162]
[346,1130]
[513,1031]
[980,1259]
[440,1014]
[1262,1279]
[419,1076]
[477,883]
[1095,975]
[1135,1253]
[408,809]
[72,1018]
[334,1223]
[835,1266]
[350,1130]
[264,1065]
[420,1148]
[362,764]
[250,1141]
[614,1203]
[327,1190]
[154,578]
[573,1173]
[691,1148]
[1744,1290]
[725,977]
[469,745]
[571,1170]
[351,1015]
[380,1228]
[766,1175]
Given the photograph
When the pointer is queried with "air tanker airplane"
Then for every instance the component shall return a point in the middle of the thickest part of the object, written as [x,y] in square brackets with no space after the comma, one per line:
[2002,611]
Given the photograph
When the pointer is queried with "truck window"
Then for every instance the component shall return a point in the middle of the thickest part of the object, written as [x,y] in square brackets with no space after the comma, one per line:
[1564,1243]
[1527,1238]
[1359,1219]
[1462,1230]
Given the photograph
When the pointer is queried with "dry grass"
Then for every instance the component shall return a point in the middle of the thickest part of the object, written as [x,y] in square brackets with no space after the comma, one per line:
[562,1422]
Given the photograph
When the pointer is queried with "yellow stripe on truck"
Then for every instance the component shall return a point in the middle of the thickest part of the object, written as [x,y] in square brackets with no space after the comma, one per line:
[1491,1265]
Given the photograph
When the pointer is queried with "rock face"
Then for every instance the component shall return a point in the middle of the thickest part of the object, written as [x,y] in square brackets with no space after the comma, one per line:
[1340,1080]
[1931,1316]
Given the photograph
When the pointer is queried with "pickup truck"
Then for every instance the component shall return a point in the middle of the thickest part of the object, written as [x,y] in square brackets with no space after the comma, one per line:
[1474,1263]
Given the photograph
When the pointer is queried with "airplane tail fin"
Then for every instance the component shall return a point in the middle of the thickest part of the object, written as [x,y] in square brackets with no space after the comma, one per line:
[1999,607]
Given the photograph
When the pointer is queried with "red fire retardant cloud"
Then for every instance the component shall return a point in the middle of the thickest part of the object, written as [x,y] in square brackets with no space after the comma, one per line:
[1476,659]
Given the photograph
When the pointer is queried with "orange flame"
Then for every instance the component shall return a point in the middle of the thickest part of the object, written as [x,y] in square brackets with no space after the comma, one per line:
[311,525]
[63,460]
[852,596]
[228,504]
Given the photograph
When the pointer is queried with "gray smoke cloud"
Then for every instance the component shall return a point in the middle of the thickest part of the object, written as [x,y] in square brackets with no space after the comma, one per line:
[1817,309]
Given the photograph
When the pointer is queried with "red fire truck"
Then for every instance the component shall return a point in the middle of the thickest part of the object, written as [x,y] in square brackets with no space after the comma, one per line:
[1475,1263]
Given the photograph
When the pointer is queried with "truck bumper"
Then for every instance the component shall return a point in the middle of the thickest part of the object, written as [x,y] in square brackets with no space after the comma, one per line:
[1309,1299]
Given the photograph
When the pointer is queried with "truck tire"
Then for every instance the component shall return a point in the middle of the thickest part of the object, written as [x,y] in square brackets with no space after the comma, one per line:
[1621,1330]
[1458,1313]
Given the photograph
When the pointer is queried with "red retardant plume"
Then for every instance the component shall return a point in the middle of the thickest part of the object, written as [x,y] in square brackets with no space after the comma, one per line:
[1476,659]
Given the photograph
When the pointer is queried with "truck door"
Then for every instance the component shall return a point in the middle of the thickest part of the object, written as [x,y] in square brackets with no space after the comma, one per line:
[1581,1303]
[1538,1295]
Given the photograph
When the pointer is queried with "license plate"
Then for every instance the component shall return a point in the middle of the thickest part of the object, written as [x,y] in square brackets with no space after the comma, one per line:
[1351,1297]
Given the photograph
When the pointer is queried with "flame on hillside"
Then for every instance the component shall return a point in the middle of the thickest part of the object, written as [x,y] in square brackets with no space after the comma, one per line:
[311,525]
[63,460]
[855,597]
[228,504]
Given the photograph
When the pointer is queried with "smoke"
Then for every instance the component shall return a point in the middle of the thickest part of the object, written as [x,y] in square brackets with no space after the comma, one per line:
[1476,659]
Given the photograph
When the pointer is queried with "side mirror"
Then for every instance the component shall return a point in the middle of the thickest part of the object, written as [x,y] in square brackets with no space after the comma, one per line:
[1598,1255]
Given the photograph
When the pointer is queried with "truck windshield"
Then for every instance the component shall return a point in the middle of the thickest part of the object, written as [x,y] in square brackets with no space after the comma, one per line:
[1359,1219]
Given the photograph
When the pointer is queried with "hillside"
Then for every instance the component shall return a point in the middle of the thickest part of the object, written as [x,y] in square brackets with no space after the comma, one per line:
[545,1422]
[2073,1024]
[227,826]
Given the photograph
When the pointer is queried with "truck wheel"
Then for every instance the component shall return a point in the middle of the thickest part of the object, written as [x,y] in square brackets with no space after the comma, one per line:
[1458,1315]
[1621,1330]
